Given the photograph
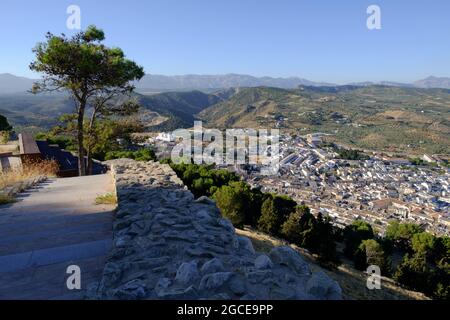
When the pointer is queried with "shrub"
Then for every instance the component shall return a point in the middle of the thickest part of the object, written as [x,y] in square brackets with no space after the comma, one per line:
[233,201]
[354,234]
[401,234]
[297,227]
[274,211]
[370,252]
[4,137]
[109,198]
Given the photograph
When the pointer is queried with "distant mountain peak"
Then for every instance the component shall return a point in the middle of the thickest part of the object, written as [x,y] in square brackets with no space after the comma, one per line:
[433,82]
[10,83]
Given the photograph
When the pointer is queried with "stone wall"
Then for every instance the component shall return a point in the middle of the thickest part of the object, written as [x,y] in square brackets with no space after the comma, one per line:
[167,245]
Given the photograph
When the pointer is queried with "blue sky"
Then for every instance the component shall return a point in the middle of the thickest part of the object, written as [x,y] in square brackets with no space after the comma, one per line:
[321,40]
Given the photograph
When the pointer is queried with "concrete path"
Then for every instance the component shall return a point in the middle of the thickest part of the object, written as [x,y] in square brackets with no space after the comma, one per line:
[49,228]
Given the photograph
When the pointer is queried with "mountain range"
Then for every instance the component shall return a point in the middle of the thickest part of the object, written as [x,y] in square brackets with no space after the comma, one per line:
[208,83]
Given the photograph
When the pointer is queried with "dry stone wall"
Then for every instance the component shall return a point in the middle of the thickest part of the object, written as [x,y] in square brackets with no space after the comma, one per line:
[167,245]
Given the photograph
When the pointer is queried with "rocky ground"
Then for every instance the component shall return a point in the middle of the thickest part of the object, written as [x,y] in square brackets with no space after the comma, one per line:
[167,245]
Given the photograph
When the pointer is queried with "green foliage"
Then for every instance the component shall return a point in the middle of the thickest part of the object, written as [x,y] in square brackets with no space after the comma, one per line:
[350,154]
[179,107]
[423,243]
[395,123]
[414,273]
[316,235]
[64,142]
[325,245]
[82,62]
[4,137]
[370,252]
[296,229]
[274,211]
[144,154]
[109,198]
[92,73]
[427,268]
[400,234]
[273,214]
[233,201]
[417,161]
[203,180]
[354,234]
[4,130]
[4,125]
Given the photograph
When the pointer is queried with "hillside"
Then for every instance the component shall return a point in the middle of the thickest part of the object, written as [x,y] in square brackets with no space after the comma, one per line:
[163,111]
[179,108]
[34,111]
[397,119]
[352,281]
[433,82]
[373,117]
[12,84]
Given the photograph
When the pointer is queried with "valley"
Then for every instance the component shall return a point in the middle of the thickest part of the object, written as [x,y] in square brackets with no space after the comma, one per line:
[399,120]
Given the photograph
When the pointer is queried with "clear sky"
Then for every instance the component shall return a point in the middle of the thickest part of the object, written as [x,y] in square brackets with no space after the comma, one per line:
[321,40]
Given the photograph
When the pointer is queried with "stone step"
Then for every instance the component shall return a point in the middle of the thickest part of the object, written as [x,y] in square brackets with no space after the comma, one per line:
[43,257]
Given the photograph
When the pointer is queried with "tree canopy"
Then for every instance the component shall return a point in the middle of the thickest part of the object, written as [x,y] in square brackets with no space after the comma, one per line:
[354,234]
[91,72]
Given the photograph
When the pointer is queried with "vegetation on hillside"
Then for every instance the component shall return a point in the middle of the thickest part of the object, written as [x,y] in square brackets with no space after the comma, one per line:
[273,214]
[378,118]
[425,256]
[109,138]
[144,154]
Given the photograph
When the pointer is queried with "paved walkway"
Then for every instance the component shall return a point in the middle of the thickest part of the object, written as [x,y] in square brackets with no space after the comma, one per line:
[50,227]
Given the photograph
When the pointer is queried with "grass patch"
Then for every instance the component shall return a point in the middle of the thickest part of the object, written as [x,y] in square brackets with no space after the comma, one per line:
[4,199]
[47,168]
[109,198]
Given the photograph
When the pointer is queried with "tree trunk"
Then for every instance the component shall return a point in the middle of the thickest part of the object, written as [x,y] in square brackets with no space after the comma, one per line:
[91,138]
[89,162]
[80,137]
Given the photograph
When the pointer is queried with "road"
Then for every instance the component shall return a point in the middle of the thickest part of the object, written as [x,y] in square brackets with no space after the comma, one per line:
[50,227]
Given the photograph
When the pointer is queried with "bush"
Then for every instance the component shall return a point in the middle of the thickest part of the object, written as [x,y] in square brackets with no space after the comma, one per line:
[233,201]
[370,252]
[401,234]
[354,234]
[316,235]
[109,198]
[145,154]
[4,137]
[296,229]
[414,273]
[274,211]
